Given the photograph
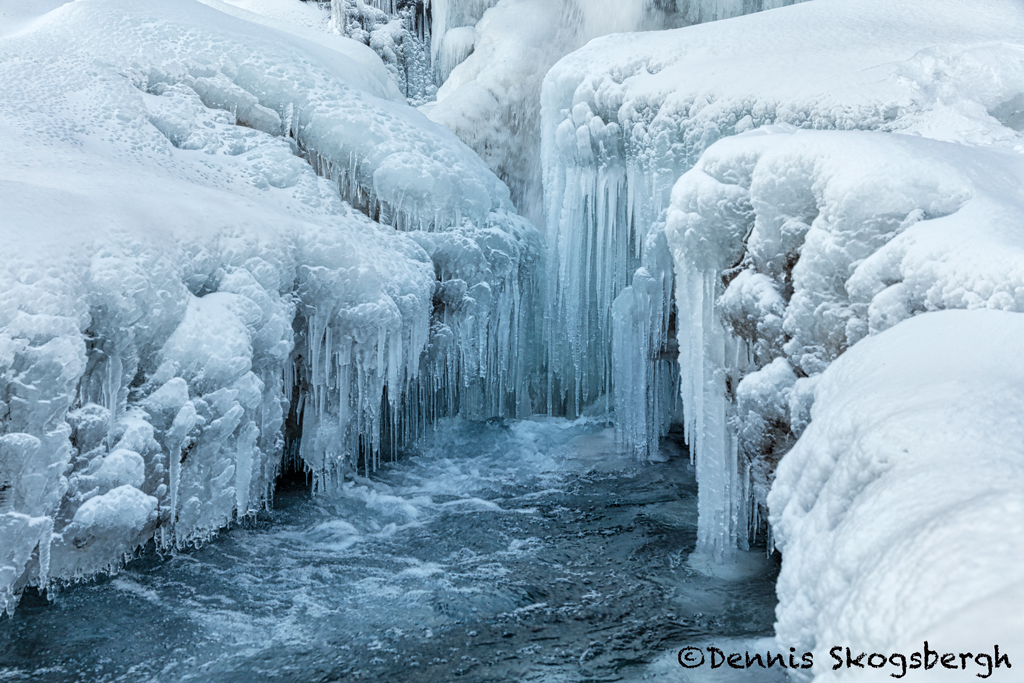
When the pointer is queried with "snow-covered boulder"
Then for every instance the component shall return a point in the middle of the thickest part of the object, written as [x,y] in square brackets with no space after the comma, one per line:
[899,512]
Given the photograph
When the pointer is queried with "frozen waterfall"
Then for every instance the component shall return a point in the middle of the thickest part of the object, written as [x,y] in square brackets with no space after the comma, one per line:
[259,241]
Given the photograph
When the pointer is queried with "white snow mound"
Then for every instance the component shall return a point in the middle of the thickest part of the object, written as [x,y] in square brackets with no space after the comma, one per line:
[899,511]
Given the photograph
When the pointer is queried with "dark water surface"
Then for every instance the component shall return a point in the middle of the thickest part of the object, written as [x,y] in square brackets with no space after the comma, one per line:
[525,551]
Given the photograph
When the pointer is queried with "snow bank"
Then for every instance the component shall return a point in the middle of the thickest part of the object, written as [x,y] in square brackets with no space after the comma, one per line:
[626,116]
[899,511]
[184,300]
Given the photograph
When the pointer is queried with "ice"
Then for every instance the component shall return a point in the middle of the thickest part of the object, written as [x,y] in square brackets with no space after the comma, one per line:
[103,530]
[628,115]
[700,11]
[899,511]
[190,300]
[606,188]
[400,35]
[645,394]
[808,249]
[491,97]
[450,20]
[457,45]
[232,248]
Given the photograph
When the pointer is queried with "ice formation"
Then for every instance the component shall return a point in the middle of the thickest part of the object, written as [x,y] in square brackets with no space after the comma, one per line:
[399,32]
[791,247]
[628,115]
[233,247]
[188,289]
[491,93]
[794,248]
[899,511]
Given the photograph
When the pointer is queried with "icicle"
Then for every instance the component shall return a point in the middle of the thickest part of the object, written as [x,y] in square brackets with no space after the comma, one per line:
[339,20]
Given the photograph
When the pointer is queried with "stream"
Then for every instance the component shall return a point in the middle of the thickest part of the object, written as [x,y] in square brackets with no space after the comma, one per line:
[496,551]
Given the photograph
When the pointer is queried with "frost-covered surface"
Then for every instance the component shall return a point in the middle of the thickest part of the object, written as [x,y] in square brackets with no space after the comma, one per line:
[627,115]
[611,151]
[899,512]
[182,295]
[399,32]
[491,98]
[791,246]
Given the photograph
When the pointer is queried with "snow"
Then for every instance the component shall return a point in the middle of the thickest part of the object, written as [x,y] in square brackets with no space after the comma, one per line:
[808,248]
[628,115]
[231,247]
[308,15]
[400,36]
[306,21]
[188,287]
[899,511]
[18,16]
[490,96]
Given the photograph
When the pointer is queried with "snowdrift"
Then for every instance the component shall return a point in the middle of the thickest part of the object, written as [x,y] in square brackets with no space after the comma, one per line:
[900,511]
[219,238]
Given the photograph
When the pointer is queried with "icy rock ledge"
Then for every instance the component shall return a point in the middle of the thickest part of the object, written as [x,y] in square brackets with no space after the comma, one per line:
[185,302]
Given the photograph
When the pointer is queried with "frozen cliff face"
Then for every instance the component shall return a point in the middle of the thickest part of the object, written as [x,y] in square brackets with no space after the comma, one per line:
[626,116]
[610,156]
[187,291]
[899,511]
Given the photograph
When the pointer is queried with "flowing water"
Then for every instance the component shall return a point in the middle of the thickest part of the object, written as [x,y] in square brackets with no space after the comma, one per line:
[498,551]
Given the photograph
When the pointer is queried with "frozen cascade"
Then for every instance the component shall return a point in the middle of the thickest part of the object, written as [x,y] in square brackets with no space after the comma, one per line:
[607,179]
[792,250]
[645,380]
[452,23]
[149,356]
[399,32]
[491,99]
[627,115]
